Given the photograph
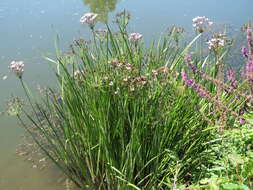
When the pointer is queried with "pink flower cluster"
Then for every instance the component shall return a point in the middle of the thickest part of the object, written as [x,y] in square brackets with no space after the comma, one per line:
[89,18]
[200,23]
[231,75]
[217,42]
[135,37]
[17,67]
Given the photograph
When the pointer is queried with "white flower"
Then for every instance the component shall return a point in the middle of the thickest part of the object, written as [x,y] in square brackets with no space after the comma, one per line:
[111,83]
[89,18]
[216,42]
[17,67]
[135,37]
[200,23]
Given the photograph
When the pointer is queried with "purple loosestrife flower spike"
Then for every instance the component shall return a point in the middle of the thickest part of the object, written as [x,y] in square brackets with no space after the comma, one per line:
[249,71]
[250,40]
[200,91]
[187,81]
[231,75]
[187,58]
[188,61]
[244,52]
[192,84]
[17,67]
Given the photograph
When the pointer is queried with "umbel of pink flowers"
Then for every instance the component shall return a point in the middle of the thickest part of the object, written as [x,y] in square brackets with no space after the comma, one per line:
[217,42]
[135,37]
[200,23]
[17,67]
[90,19]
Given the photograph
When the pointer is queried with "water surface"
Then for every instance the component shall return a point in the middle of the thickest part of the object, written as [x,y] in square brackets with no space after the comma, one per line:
[28,32]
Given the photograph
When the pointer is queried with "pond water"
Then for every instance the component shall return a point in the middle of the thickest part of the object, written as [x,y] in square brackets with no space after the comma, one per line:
[28,32]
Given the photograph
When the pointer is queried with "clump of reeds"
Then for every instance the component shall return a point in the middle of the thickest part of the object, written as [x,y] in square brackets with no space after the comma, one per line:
[124,119]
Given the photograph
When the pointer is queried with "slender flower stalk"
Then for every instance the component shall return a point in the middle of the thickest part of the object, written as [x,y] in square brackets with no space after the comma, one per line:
[192,84]
[231,75]
[202,92]
[250,42]
[226,87]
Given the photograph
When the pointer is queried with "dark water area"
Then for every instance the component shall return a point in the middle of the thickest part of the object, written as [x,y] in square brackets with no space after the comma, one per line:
[29,29]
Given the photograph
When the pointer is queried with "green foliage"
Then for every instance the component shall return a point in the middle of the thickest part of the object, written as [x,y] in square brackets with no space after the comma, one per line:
[122,118]
[233,162]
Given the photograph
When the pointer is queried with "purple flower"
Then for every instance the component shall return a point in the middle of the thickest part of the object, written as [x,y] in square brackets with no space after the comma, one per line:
[187,58]
[249,71]
[187,81]
[201,91]
[244,52]
[242,120]
[188,61]
[231,75]
[250,40]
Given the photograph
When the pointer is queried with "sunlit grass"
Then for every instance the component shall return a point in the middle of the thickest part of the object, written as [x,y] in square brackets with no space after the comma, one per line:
[123,116]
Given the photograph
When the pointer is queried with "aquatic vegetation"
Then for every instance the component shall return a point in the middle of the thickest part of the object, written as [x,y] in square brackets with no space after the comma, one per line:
[200,23]
[176,33]
[14,106]
[124,117]
[89,18]
[17,67]
[135,37]
[217,42]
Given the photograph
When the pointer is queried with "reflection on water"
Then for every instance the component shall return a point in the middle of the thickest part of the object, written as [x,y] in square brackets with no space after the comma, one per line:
[101,7]
[34,34]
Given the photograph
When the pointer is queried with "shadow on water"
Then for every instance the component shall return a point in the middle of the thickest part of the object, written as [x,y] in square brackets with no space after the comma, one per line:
[101,7]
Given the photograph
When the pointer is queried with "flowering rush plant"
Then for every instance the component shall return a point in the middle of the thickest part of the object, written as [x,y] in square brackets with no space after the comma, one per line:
[217,42]
[90,19]
[201,23]
[17,67]
[135,37]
